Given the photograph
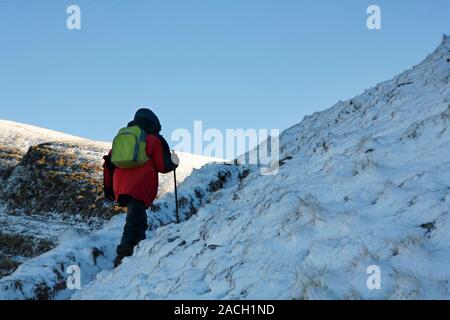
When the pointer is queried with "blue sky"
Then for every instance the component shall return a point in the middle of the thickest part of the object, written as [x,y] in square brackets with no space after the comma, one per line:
[232,64]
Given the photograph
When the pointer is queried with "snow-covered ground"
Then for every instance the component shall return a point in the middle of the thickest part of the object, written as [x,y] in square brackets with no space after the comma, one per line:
[366,182]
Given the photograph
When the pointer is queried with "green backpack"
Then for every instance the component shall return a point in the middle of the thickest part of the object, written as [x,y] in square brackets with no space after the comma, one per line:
[129,148]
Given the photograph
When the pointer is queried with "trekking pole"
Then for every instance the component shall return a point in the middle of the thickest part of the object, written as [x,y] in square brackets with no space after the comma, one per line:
[176,194]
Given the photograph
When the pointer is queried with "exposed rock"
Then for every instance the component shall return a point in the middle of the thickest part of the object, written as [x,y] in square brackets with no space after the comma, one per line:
[9,158]
[59,177]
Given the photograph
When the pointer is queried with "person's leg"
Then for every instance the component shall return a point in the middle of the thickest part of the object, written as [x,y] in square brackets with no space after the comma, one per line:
[134,230]
[140,216]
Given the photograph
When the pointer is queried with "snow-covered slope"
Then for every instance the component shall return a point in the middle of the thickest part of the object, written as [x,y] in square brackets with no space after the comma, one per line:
[368,184]
[363,183]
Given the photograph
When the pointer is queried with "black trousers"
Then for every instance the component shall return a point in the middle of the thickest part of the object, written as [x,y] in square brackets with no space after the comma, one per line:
[135,227]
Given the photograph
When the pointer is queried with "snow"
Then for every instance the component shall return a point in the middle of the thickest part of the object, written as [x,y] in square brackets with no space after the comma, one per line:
[367,184]
[49,227]
[23,135]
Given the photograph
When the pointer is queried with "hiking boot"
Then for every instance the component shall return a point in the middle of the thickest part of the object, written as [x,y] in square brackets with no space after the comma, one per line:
[122,252]
[118,261]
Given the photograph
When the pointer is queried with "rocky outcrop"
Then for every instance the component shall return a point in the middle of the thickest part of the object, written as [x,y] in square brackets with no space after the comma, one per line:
[14,248]
[59,177]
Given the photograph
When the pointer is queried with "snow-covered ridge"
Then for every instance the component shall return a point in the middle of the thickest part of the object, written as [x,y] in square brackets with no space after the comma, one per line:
[363,183]
[22,135]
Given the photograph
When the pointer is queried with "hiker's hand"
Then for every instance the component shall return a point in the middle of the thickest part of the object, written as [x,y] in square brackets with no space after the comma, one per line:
[174,158]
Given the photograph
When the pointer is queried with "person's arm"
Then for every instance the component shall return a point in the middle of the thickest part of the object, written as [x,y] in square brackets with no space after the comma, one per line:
[160,153]
[108,173]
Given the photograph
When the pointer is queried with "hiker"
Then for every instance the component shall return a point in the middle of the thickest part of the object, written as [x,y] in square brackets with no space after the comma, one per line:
[130,171]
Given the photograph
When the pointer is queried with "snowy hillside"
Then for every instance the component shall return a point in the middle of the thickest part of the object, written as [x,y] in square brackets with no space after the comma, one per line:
[366,182]
[23,135]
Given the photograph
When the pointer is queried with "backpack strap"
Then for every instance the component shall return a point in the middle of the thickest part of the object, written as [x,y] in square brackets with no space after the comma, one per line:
[143,137]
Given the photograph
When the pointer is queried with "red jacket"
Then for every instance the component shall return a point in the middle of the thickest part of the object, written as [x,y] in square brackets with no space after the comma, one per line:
[142,182]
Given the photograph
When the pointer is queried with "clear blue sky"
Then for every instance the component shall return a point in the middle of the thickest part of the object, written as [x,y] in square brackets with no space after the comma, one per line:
[232,64]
